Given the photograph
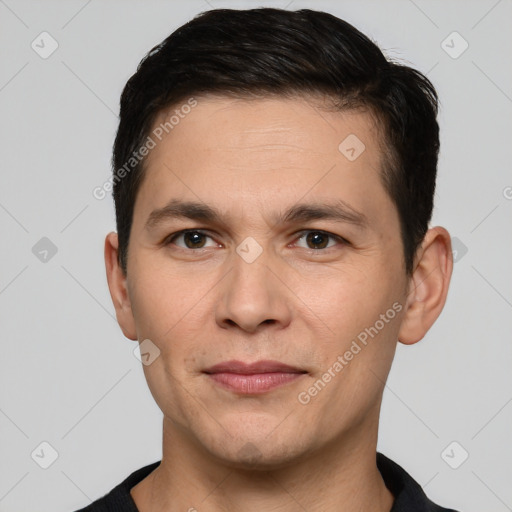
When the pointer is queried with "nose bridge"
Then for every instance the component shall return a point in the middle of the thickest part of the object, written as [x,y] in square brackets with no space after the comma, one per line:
[251,280]
[252,294]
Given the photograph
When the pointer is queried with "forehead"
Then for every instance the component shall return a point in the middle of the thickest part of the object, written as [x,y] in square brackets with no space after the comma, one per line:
[255,151]
[307,123]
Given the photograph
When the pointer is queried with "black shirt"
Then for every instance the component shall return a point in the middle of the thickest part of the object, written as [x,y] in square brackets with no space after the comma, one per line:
[409,496]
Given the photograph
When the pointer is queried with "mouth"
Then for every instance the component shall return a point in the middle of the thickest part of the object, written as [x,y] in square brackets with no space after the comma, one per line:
[255,378]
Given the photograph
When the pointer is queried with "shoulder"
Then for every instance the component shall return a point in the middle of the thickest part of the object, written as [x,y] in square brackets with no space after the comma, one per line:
[409,496]
[119,498]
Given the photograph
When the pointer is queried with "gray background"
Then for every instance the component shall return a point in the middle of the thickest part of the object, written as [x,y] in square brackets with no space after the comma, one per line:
[69,377]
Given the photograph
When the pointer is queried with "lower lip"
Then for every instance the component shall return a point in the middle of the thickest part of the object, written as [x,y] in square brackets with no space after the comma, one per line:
[255,383]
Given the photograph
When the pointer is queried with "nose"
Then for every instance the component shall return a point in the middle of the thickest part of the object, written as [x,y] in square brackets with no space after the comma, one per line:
[253,296]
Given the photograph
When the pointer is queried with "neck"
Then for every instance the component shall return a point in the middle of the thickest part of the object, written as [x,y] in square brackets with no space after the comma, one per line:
[342,477]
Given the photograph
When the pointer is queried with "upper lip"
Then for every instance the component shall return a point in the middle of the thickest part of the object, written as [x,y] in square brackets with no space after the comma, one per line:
[252,368]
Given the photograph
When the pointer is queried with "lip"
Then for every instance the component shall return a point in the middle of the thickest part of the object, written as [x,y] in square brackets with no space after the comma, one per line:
[253,378]
[240,367]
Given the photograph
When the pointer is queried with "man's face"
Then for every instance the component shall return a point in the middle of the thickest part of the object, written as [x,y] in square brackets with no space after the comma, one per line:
[257,284]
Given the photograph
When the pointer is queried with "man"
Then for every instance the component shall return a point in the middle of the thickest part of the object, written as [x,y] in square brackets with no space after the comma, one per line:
[273,181]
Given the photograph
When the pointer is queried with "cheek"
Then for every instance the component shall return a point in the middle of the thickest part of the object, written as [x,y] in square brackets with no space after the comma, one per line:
[352,306]
[166,311]
[162,300]
[356,358]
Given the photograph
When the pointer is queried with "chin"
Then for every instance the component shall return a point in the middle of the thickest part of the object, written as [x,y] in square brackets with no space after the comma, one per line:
[261,450]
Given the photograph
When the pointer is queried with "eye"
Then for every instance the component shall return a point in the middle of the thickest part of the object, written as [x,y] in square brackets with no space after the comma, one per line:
[192,239]
[196,239]
[320,239]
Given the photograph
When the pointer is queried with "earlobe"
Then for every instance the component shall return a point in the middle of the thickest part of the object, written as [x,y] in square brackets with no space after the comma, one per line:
[118,287]
[428,286]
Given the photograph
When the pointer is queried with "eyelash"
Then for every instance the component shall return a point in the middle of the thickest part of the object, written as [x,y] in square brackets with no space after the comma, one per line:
[171,238]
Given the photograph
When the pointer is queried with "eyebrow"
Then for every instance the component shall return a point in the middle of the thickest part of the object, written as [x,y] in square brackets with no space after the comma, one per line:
[338,211]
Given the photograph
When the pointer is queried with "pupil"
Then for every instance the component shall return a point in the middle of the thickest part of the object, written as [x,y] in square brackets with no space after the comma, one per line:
[194,239]
[317,239]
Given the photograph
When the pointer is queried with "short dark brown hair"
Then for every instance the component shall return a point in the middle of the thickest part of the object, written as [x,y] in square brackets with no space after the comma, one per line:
[270,51]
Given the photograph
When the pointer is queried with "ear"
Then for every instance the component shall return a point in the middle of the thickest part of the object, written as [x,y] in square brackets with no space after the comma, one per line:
[428,286]
[118,287]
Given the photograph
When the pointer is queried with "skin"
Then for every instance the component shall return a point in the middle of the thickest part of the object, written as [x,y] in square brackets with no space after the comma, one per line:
[298,303]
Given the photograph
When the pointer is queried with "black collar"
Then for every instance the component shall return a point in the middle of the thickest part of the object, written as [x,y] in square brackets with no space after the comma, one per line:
[409,496]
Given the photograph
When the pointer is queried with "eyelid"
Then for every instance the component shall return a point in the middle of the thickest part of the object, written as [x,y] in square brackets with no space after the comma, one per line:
[339,238]
[169,239]
[298,235]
